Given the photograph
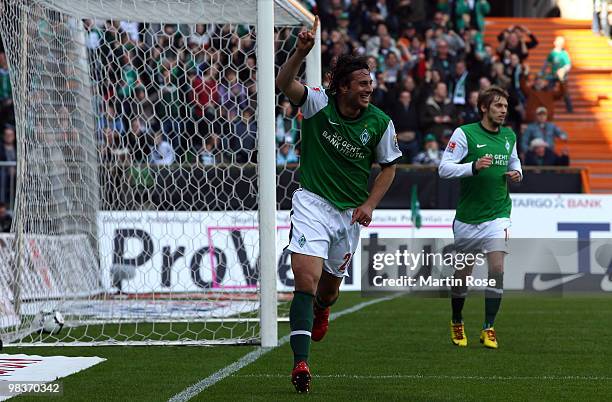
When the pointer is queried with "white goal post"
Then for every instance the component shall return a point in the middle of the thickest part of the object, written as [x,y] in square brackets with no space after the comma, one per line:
[139,125]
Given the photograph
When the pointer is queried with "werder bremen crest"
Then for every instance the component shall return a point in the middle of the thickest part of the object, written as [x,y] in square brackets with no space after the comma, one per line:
[507,145]
[365,136]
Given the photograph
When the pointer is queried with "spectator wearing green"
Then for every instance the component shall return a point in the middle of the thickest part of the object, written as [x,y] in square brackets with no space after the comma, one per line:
[482,9]
[560,64]
[129,75]
[168,108]
[5,82]
[471,13]
[559,60]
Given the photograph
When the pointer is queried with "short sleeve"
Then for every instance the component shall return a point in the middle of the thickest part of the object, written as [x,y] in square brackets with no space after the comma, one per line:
[387,150]
[314,100]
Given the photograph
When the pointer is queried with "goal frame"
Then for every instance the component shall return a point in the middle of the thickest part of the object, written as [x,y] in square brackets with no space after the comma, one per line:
[267,15]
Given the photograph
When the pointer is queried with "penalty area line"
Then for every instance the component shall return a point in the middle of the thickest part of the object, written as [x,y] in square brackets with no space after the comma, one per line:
[250,357]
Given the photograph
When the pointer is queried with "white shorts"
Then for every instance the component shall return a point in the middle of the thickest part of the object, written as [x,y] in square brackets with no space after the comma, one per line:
[321,230]
[486,237]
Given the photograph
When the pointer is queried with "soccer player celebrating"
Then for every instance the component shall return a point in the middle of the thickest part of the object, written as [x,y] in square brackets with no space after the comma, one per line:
[484,156]
[342,136]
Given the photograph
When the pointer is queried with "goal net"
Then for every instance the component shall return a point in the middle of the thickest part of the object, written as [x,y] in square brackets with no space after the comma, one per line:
[139,147]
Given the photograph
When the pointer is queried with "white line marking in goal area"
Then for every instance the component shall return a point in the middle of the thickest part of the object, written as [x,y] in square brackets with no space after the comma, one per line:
[250,357]
[436,377]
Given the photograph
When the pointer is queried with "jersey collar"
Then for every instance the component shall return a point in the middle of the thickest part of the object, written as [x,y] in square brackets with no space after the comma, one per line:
[489,131]
[343,117]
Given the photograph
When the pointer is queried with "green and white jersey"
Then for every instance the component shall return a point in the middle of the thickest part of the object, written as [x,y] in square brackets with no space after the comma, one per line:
[336,155]
[482,197]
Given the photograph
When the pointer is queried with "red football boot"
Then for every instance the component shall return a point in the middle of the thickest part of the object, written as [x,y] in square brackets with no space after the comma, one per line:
[300,377]
[320,323]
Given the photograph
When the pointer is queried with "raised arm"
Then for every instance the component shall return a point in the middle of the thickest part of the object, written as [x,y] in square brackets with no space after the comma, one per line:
[533,41]
[285,80]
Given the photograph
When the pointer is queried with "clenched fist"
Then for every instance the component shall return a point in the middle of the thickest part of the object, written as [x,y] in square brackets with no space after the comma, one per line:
[362,214]
[483,162]
[514,176]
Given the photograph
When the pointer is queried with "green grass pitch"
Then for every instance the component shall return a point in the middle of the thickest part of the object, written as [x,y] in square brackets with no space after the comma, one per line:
[551,349]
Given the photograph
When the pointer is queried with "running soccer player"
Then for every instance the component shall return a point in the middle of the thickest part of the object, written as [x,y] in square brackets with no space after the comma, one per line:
[342,136]
[484,156]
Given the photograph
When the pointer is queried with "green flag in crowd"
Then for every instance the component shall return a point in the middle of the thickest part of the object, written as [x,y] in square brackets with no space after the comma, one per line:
[415,206]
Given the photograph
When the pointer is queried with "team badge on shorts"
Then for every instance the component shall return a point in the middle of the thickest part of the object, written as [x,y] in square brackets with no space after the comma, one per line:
[302,240]
[365,136]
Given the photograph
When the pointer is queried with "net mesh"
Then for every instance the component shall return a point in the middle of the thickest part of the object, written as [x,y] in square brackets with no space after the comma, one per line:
[136,209]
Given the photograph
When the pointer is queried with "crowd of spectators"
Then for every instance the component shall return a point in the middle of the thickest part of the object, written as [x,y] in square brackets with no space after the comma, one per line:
[428,61]
[176,93]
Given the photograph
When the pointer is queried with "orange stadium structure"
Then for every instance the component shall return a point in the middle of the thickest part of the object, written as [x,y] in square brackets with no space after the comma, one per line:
[590,87]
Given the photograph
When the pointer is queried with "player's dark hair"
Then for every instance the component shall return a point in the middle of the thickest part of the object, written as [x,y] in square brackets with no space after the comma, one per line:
[341,71]
[486,97]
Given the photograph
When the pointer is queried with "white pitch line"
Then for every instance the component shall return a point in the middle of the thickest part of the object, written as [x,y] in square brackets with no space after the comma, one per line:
[250,357]
[435,377]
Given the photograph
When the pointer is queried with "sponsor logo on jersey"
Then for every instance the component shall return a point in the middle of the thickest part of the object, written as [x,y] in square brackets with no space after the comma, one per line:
[302,240]
[316,89]
[332,122]
[344,146]
[451,146]
[365,136]
[500,160]
[480,145]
